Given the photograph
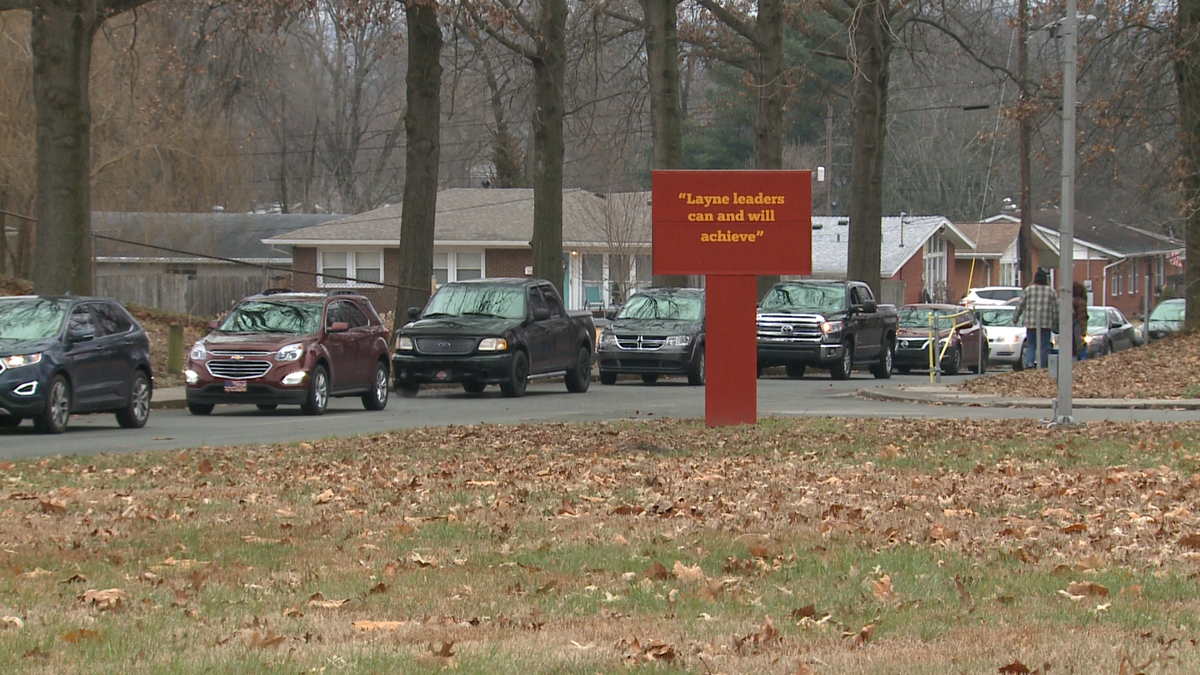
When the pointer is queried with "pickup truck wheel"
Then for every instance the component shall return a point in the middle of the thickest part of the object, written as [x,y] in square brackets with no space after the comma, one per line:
[472,387]
[794,370]
[883,369]
[649,378]
[841,370]
[518,377]
[579,377]
[697,374]
[607,377]
[953,362]
[200,408]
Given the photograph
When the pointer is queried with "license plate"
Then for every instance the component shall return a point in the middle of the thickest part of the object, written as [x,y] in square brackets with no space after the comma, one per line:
[235,386]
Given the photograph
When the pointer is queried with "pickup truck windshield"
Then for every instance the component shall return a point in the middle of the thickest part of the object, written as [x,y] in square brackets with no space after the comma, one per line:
[263,316]
[812,298]
[31,318]
[505,302]
[651,306]
[917,317]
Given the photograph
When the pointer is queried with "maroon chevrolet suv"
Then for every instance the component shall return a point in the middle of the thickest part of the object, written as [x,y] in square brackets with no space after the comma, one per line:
[281,347]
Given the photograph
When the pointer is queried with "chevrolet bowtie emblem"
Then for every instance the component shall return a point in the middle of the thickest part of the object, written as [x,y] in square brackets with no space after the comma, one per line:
[237,357]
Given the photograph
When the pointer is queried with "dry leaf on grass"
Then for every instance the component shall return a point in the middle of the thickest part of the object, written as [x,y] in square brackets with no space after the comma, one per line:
[11,622]
[862,637]
[80,634]
[378,625]
[111,598]
[635,652]
[883,589]
[657,572]
[1014,668]
[52,506]
[318,601]
[442,655]
[688,574]
[267,640]
[802,669]
[1084,588]
[322,498]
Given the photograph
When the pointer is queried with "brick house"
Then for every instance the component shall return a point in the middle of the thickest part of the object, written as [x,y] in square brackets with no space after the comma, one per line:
[1123,266]
[917,255]
[483,232]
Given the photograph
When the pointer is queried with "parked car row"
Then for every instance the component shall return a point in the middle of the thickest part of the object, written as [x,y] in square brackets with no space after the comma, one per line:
[67,355]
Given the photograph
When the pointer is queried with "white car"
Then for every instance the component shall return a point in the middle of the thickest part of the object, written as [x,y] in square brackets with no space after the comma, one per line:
[987,296]
[1006,342]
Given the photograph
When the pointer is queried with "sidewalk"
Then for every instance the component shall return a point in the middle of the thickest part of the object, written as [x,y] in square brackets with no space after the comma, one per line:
[929,394]
[943,394]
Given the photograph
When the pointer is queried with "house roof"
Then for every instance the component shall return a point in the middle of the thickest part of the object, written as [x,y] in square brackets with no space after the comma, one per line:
[1104,234]
[992,238]
[495,217]
[227,235]
[902,239]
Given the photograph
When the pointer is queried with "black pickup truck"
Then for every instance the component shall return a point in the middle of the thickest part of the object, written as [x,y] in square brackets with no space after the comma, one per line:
[494,331]
[826,324]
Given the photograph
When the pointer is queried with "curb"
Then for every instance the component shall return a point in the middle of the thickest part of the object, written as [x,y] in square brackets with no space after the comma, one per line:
[977,400]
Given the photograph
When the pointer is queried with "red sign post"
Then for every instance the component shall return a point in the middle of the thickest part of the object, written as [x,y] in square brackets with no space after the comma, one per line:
[732,226]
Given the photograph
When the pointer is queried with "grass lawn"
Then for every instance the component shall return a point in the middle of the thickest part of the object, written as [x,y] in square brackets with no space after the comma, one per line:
[796,546]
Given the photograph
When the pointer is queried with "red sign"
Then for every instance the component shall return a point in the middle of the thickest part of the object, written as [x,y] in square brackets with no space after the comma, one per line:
[732,222]
[732,226]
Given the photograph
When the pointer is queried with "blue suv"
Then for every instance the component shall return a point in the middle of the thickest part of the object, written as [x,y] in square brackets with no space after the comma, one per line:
[65,355]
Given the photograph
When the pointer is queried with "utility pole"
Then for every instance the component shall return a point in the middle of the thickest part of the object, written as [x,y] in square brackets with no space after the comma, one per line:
[1066,240]
[1025,234]
[829,158]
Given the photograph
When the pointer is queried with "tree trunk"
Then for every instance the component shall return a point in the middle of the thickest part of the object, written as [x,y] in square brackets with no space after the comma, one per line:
[549,68]
[666,113]
[61,40]
[871,45]
[1187,83]
[1025,234]
[422,125]
[768,75]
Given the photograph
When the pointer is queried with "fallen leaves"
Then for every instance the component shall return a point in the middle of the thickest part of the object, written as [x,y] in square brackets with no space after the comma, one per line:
[108,599]
[318,601]
[268,640]
[368,626]
[7,622]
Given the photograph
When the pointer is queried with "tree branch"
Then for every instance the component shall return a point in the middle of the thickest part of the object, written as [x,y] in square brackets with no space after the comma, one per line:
[739,26]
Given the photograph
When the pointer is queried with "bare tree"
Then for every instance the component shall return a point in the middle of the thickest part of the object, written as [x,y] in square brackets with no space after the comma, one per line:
[422,124]
[541,39]
[619,221]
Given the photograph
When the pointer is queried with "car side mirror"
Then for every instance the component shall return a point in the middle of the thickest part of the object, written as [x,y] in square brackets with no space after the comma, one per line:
[81,334]
[869,306]
[541,314]
[414,313]
[212,325]
[610,313]
[338,327]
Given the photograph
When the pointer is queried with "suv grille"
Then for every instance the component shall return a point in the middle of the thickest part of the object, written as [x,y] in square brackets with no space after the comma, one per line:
[238,370]
[445,345]
[789,327]
[642,343]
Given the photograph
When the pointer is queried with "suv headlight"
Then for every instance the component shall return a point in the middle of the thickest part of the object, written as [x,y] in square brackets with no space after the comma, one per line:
[608,339]
[404,343]
[679,341]
[292,352]
[199,353]
[19,360]
[493,345]
[828,327]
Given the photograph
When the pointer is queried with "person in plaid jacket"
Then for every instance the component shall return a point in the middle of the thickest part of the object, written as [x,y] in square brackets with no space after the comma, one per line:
[1038,307]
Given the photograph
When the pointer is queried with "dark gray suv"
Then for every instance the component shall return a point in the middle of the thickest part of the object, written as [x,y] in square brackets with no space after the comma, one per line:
[65,355]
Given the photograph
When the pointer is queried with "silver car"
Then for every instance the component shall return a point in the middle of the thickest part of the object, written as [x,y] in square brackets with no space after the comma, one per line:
[1006,341]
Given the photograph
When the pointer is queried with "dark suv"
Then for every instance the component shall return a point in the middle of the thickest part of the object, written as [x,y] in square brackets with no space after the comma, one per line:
[66,355]
[281,347]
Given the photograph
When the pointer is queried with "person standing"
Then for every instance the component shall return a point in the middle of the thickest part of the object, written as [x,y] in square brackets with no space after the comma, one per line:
[1079,314]
[1038,308]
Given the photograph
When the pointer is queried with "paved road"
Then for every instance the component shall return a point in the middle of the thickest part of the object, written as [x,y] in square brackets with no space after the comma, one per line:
[548,401]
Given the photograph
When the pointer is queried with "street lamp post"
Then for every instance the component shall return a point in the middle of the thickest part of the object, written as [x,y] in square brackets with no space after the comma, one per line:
[1066,247]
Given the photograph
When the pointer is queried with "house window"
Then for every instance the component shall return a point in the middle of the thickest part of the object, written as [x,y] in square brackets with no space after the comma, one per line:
[935,268]
[1133,274]
[1116,283]
[457,266]
[361,267]
[644,270]
[1159,264]
[1008,274]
